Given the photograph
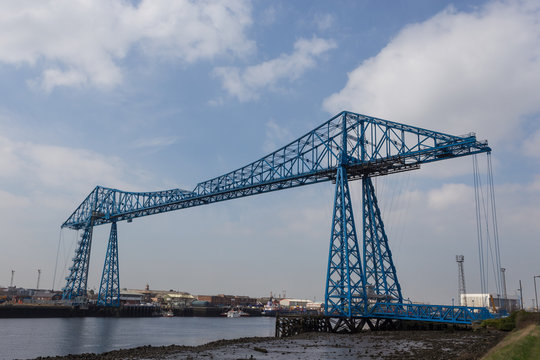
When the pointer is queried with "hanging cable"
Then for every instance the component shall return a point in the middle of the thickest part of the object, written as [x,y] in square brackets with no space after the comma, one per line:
[492,248]
[491,189]
[479,228]
[487,229]
[57,254]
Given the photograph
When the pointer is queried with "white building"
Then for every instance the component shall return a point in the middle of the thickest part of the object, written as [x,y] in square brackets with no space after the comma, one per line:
[493,302]
[300,304]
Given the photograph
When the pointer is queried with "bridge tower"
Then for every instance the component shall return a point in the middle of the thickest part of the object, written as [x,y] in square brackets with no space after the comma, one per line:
[109,289]
[345,282]
[350,282]
[379,267]
[76,281]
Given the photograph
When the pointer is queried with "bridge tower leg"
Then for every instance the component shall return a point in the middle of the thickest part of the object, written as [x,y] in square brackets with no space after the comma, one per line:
[109,288]
[379,269]
[77,280]
[345,294]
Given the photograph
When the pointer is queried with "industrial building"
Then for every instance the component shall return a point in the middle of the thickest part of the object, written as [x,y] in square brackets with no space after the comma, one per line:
[300,304]
[228,300]
[495,303]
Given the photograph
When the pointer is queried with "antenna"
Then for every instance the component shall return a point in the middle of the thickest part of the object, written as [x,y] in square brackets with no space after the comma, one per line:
[505,296]
[461,281]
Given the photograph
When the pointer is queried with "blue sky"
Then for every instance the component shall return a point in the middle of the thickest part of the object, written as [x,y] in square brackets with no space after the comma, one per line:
[149,95]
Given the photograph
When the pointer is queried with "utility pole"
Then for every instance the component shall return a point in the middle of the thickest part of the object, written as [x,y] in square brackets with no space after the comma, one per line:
[461,281]
[38,276]
[12,276]
[505,296]
[520,295]
[535,293]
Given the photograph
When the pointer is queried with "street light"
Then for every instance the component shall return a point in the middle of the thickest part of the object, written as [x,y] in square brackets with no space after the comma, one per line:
[535,293]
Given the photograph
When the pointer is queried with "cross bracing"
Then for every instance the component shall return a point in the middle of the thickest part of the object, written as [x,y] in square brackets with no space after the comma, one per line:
[370,147]
[347,147]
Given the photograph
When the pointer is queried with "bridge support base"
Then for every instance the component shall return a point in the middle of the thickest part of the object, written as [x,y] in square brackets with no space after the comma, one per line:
[290,325]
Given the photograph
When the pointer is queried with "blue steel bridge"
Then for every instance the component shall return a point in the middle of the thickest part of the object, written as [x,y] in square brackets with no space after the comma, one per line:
[361,281]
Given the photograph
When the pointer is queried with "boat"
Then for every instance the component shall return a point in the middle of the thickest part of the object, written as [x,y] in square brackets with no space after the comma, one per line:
[236,313]
[270,309]
[168,314]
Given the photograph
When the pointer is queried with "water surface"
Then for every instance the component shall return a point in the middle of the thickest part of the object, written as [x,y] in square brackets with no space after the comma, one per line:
[30,338]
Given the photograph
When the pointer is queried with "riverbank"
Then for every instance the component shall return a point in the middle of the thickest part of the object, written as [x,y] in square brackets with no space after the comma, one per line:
[388,345]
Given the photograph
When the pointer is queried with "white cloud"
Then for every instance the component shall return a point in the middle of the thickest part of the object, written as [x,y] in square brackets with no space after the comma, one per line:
[37,167]
[276,136]
[246,84]
[456,72]
[55,77]
[450,195]
[531,145]
[82,42]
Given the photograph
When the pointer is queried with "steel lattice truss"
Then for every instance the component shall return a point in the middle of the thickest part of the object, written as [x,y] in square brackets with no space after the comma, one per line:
[109,289]
[372,147]
[345,286]
[77,280]
[347,147]
[433,313]
[379,268]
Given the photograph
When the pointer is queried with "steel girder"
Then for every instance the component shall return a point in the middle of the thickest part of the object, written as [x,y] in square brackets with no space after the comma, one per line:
[109,288]
[433,313]
[345,294]
[371,146]
[77,279]
[379,269]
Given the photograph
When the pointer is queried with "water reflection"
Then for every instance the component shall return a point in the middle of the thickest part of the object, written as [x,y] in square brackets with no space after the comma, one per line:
[71,332]
[30,338]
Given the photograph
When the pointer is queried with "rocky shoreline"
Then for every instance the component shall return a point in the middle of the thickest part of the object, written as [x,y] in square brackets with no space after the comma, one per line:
[433,345]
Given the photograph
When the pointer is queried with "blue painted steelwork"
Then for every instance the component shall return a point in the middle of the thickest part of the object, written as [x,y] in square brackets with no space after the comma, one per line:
[433,313]
[109,289]
[77,280]
[371,146]
[347,147]
[345,293]
[379,269]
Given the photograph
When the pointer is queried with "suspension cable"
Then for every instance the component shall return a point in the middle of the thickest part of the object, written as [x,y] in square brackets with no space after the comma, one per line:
[489,255]
[491,188]
[57,254]
[479,228]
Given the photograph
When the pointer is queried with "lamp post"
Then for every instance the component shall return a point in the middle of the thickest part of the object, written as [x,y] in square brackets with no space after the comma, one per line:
[535,293]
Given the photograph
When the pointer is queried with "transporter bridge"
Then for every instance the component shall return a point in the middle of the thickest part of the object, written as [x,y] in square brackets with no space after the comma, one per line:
[361,281]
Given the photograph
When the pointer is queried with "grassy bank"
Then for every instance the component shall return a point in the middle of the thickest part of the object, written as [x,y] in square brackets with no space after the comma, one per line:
[522,343]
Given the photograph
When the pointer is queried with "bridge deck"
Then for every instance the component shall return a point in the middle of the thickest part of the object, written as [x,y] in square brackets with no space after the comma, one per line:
[434,313]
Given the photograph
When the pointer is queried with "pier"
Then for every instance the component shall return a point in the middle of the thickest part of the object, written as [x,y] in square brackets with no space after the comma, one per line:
[290,325]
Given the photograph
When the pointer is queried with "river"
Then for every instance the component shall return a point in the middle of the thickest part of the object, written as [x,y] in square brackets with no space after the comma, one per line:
[30,338]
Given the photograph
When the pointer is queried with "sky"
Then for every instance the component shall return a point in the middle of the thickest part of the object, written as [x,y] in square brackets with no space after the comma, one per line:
[153,94]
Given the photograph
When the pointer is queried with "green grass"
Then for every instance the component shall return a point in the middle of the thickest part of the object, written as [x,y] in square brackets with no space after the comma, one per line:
[522,344]
[505,324]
